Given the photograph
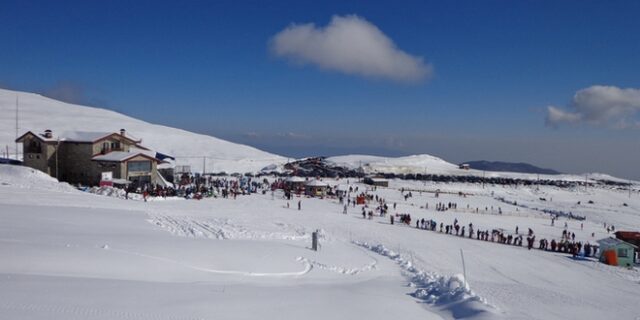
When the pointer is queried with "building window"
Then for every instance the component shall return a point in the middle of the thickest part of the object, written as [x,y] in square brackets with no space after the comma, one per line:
[34,146]
[105,147]
[623,253]
[139,166]
[115,145]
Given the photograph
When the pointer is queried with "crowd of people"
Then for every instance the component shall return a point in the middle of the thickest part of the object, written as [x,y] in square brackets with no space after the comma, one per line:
[566,244]
[373,204]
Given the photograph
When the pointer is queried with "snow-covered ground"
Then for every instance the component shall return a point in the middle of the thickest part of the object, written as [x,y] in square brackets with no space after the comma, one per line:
[67,254]
[38,113]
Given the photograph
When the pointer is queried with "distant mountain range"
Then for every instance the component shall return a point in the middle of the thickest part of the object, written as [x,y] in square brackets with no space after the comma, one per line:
[509,167]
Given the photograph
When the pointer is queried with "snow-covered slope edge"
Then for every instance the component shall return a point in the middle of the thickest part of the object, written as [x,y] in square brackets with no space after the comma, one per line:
[38,113]
[28,178]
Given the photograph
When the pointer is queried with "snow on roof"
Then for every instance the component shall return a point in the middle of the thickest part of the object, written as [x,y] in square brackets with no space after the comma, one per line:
[80,136]
[316,183]
[611,242]
[119,156]
[295,179]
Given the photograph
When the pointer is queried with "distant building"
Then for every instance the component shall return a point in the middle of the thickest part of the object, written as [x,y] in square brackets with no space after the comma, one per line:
[616,252]
[316,188]
[632,237]
[81,157]
[379,182]
[464,166]
[295,184]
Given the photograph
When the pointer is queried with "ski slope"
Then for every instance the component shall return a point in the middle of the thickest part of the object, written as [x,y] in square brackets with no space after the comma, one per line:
[73,255]
[38,113]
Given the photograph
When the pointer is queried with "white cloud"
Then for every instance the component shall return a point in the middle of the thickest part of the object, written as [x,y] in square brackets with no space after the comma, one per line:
[352,45]
[292,135]
[599,105]
[555,116]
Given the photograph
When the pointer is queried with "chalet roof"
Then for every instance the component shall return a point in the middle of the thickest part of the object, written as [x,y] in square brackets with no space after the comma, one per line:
[628,235]
[611,242]
[79,136]
[120,156]
[83,136]
[316,183]
[295,179]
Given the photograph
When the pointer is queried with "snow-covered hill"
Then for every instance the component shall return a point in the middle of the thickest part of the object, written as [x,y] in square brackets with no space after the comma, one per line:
[38,113]
[424,163]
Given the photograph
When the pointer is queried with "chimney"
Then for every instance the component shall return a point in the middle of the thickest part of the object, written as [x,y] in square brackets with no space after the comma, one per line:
[48,133]
[122,132]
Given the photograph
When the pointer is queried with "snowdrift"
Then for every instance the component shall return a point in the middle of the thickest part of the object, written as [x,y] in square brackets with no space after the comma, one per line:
[28,178]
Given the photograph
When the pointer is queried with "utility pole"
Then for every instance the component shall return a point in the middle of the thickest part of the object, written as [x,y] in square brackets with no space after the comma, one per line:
[464,269]
[585,182]
[57,150]
[204,165]
[483,172]
[424,178]
[17,103]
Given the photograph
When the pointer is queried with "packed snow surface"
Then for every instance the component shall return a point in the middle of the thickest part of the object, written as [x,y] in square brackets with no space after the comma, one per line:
[68,254]
[38,113]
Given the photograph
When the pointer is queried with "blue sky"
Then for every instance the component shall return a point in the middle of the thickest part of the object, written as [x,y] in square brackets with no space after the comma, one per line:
[211,67]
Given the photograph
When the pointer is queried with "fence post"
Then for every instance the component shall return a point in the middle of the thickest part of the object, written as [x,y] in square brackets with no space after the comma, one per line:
[464,269]
[314,240]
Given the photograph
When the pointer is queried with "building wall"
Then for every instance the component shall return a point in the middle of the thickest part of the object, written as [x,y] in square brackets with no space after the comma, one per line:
[77,164]
[50,154]
[42,159]
[125,145]
[624,261]
[153,174]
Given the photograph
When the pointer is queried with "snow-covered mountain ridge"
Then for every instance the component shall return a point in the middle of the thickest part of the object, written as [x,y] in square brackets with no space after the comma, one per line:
[38,113]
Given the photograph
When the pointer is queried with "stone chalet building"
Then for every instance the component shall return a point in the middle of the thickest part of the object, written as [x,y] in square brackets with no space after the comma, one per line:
[79,157]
